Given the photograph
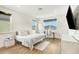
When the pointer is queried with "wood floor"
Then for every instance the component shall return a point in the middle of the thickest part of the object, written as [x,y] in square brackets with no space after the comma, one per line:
[69,47]
[53,48]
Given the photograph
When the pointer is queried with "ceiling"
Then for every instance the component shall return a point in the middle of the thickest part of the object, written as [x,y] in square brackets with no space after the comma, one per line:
[33,10]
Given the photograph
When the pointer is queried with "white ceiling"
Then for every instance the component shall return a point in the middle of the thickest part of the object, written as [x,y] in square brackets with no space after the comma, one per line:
[48,10]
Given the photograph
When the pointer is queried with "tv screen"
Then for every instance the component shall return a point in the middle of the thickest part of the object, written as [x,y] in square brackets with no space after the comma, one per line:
[70,19]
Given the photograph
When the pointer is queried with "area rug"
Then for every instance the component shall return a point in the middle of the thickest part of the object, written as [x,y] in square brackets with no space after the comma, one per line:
[42,45]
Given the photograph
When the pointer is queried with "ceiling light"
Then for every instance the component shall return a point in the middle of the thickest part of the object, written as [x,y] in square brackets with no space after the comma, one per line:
[40,8]
[18,6]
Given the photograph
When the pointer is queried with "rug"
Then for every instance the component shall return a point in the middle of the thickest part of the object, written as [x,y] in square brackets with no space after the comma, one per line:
[42,45]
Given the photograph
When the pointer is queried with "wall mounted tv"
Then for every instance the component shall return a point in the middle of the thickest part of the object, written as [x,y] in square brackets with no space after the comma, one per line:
[70,19]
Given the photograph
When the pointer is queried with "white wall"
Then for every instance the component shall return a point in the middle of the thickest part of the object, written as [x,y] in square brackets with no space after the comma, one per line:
[21,22]
[24,22]
[18,21]
[4,26]
[62,26]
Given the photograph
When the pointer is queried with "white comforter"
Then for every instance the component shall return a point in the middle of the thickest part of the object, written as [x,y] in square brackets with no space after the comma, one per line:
[30,40]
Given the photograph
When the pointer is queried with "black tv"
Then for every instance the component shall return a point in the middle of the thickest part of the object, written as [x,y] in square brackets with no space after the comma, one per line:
[70,19]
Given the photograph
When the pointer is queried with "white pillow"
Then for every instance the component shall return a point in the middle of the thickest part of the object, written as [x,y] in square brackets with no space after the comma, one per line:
[32,31]
[22,33]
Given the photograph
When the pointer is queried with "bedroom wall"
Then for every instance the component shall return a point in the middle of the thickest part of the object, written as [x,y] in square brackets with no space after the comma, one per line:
[21,22]
[62,23]
[62,26]
[18,21]
[4,26]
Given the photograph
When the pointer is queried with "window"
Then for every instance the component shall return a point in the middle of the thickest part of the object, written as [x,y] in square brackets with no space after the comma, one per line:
[34,23]
[4,22]
[50,24]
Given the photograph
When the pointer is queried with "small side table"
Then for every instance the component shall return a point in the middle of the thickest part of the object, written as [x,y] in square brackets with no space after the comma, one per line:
[9,42]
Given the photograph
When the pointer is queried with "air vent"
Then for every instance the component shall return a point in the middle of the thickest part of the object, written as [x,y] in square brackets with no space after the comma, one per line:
[40,9]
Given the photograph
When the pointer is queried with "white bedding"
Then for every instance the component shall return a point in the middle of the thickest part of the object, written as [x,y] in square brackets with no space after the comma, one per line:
[30,40]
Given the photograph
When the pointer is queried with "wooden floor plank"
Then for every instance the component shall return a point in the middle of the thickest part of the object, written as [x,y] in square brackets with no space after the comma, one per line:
[53,48]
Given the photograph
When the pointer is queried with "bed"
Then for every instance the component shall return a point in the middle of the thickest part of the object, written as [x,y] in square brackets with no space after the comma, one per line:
[30,40]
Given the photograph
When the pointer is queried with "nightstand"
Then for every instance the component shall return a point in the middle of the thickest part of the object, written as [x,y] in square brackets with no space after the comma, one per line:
[8,42]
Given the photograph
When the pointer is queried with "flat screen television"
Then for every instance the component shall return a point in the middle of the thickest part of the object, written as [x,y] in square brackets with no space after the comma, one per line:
[70,19]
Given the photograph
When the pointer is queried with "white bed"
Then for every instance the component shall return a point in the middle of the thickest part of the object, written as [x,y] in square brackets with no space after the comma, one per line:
[30,40]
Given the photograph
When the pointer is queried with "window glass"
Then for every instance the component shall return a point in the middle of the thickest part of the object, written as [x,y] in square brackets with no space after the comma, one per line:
[4,23]
[34,23]
[50,24]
